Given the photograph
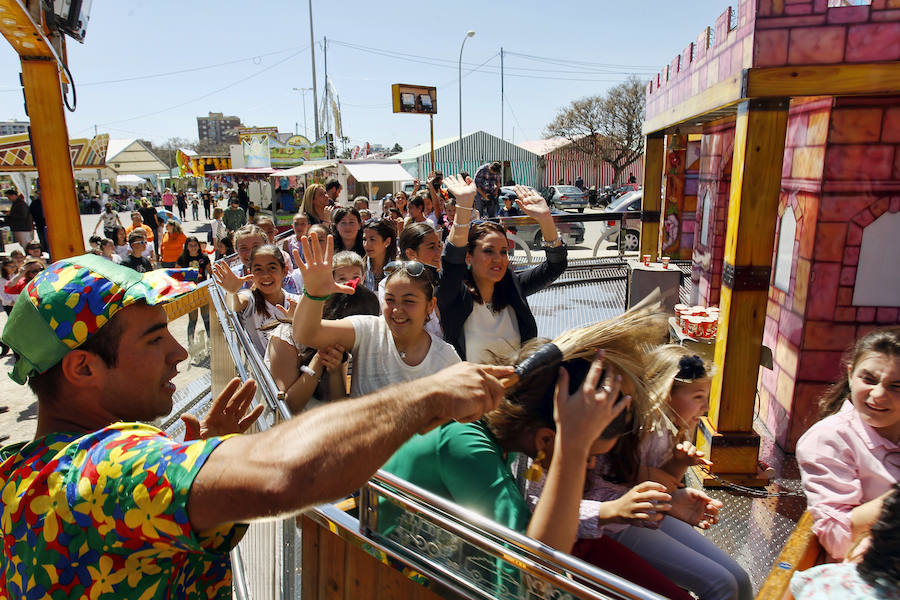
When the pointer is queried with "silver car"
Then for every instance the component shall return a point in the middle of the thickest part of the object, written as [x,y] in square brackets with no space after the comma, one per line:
[566,196]
[631,239]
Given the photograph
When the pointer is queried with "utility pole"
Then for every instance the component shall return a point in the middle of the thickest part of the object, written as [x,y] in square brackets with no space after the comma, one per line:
[502,106]
[99,173]
[312,52]
[327,104]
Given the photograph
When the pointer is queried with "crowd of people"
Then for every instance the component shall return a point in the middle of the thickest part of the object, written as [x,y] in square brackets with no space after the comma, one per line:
[416,318]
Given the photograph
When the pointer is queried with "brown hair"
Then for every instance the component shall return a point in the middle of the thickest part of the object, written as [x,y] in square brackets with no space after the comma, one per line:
[307,205]
[503,290]
[274,252]
[881,341]
[663,375]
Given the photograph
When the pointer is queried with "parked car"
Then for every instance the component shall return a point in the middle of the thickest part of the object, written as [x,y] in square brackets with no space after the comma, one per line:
[572,233]
[631,240]
[566,196]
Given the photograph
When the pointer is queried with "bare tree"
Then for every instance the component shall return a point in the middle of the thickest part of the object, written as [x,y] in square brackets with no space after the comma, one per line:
[606,128]
[166,151]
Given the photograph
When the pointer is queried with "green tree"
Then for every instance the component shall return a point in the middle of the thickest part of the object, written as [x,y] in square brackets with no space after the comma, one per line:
[397,148]
[607,128]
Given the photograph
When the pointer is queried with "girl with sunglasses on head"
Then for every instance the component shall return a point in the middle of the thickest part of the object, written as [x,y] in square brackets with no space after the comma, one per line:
[850,459]
[388,349]
[481,301]
[346,227]
[379,238]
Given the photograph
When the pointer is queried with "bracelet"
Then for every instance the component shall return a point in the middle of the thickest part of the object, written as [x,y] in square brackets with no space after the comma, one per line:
[469,208]
[316,298]
[462,226]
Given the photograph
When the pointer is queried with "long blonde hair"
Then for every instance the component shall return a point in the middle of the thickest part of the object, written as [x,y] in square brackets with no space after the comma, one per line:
[307,206]
[663,366]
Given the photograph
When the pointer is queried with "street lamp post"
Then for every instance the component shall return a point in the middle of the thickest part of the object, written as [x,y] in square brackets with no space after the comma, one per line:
[469,34]
[303,94]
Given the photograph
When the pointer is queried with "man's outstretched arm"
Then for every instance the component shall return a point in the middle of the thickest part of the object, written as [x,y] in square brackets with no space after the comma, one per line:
[332,450]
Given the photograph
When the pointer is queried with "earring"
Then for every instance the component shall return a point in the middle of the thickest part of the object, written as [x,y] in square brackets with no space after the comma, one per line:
[536,472]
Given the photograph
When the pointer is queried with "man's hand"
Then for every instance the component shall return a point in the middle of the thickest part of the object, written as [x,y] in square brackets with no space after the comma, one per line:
[475,390]
[227,414]
[695,508]
[462,189]
[316,269]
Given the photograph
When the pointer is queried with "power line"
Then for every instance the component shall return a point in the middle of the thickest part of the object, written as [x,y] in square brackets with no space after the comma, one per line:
[221,89]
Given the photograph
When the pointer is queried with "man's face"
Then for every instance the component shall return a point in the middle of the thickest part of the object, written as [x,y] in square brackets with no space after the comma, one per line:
[334,192]
[139,387]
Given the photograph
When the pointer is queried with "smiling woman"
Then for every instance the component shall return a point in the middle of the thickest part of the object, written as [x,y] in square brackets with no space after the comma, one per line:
[846,458]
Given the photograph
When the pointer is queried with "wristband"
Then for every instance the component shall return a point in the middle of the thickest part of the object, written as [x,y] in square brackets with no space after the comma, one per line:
[462,226]
[316,298]
[468,208]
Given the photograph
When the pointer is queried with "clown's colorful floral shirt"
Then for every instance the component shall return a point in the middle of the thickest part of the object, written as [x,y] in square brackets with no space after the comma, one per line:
[104,515]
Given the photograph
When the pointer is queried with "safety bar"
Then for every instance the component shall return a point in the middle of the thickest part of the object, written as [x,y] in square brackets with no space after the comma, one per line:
[534,558]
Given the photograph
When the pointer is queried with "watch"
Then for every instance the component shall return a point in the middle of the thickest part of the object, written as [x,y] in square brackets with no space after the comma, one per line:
[555,243]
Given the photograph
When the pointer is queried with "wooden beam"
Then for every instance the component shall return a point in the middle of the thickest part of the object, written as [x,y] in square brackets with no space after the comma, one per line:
[721,95]
[50,147]
[752,213]
[25,35]
[654,156]
[824,80]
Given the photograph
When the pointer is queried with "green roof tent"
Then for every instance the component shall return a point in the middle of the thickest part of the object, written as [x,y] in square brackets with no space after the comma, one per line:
[477,148]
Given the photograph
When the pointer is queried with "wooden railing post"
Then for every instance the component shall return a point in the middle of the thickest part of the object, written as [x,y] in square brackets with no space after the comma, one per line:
[727,436]
[651,204]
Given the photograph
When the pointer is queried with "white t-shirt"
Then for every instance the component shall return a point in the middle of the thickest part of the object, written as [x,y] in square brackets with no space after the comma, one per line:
[253,321]
[377,363]
[432,325]
[488,332]
[123,251]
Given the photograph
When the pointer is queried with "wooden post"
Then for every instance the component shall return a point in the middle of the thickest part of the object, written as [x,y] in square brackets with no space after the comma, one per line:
[50,148]
[652,201]
[727,436]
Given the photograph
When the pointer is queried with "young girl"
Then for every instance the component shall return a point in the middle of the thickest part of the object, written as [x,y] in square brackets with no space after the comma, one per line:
[120,242]
[172,244]
[850,459]
[30,268]
[679,390]
[256,307]
[108,251]
[380,243]
[388,349]
[224,247]
[300,225]
[326,372]
[7,271]
[193,257]
[419,242]
[347,230]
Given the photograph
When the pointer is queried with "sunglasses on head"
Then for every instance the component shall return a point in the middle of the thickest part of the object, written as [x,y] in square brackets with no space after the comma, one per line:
[413,268]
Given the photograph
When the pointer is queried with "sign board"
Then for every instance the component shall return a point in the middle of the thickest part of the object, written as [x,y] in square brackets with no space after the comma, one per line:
[415,99]
[255,144]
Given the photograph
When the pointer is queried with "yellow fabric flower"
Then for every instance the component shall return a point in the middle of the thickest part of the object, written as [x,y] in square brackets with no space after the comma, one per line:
[148,511]
[104,578]
[53,505]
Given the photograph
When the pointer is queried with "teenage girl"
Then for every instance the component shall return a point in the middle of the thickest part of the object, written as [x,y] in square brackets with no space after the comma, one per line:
[120,242]
[257,307]
[380,244]
[193,257]
[388,349]
[850,459]
[347,230]
[326,372]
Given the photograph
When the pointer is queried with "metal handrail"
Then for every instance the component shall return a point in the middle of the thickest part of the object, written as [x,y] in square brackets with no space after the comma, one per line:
[456,518]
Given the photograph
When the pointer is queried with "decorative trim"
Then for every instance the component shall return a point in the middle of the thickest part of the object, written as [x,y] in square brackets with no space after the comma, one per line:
[746,278]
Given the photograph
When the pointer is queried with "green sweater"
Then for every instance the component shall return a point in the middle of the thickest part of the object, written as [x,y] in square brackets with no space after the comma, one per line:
[462,462]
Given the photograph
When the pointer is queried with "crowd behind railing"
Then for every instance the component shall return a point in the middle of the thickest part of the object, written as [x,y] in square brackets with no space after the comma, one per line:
[408,346]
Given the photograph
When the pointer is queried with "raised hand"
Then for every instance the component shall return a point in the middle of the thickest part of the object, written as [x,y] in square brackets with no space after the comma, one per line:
[317,276]
[531,203]
[686,454]
[227,415]
[288,308]
[695,508]
[581,417]
[329,210]
[462,189]
[227,279]
[643,504]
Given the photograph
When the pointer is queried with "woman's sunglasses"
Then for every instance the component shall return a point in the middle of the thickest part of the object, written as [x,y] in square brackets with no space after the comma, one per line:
[413,268]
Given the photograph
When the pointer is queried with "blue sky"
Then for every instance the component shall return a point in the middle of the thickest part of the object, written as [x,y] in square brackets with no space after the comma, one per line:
[148,68]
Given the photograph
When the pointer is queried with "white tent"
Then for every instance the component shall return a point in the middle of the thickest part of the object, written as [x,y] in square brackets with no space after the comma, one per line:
[130,180]
[132,156]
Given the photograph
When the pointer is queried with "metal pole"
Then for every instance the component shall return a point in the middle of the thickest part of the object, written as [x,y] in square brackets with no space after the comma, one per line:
[327,107]
[431,122]
[502,106]
[469,34]
[312,52]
